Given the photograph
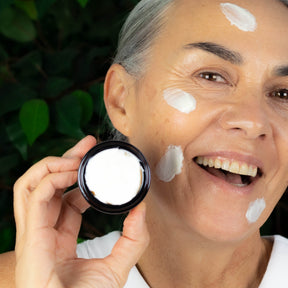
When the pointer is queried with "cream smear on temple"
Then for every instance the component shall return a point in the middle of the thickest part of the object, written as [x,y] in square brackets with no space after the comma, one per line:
[239,17]
[170,164]
[113,185]
[255,209]
[180,100]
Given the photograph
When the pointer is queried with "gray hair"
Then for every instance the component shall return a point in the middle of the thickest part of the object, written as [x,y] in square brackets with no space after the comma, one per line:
[138,33]
[137,36]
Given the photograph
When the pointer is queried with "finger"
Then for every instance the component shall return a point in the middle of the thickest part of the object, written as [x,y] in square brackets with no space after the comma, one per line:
[81,148]
[32,178]
[34,175]
[131,245]
[78,151]
[74,203]
[38,214]
[48,165]
[76,199]
[71,213]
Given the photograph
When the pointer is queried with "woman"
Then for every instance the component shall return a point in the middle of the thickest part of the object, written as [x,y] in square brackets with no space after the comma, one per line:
[201,88]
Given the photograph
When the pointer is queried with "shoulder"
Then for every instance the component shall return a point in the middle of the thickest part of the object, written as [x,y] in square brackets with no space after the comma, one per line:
[276,273]
[99,247]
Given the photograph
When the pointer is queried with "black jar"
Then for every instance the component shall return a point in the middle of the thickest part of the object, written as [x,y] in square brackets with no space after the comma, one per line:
[110,149]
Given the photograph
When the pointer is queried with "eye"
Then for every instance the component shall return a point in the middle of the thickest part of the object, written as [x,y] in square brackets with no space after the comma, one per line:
[281,94]
[213,77]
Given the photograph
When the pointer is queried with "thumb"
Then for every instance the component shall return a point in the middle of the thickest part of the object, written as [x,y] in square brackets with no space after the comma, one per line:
[131,245]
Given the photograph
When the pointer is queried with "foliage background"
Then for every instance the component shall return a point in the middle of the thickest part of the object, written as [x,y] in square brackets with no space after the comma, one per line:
[53,60]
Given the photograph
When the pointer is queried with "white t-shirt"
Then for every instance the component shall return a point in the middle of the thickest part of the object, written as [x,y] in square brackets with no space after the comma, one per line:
[276,275]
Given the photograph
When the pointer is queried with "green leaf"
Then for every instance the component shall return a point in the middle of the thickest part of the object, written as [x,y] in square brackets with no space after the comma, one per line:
[80,240]
[28,6]
[83,3]
[55,85]
[16,25]
[13,97]
[29,65]
[6,16]
[7,236]
[17,137]
[4,4]
[86,104]
[43,6]
[68,117]
[67,20]
[34,119]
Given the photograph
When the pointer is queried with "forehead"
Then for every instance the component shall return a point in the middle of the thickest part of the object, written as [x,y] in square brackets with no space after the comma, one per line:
[204,20]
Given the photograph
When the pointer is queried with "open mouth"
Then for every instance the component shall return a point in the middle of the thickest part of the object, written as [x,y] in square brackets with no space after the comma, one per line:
[236,173]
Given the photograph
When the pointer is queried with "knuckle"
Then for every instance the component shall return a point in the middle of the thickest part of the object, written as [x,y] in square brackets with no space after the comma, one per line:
[18,185]
[48,160]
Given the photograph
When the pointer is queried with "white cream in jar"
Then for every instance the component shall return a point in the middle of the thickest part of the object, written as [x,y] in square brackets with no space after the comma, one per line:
[114,176]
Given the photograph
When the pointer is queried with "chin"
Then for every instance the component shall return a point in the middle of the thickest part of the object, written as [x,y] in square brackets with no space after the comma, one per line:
[229,228]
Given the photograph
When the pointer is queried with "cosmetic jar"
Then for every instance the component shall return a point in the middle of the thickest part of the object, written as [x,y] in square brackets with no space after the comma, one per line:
[114,177]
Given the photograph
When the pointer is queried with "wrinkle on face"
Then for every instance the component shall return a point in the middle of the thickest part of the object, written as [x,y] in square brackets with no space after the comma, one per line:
[191,44]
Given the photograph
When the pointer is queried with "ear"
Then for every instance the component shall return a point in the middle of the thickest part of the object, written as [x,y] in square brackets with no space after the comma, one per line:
[117,97]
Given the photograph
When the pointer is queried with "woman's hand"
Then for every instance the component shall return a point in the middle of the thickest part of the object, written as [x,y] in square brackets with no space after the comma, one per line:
[48,223]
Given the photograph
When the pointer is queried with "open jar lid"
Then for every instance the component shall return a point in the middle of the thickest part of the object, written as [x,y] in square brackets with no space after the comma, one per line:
[114,177]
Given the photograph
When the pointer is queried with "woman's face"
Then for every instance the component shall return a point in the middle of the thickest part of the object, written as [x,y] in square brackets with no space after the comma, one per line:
[216,88]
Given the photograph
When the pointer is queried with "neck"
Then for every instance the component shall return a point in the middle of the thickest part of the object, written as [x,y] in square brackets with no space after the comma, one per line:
[179,259]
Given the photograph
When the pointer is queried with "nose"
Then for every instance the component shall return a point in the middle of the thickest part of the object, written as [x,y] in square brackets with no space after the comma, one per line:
[246,118]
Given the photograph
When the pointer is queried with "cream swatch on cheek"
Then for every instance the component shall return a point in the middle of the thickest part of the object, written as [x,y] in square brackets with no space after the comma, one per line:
[170,164]
[180,100]
[255,209]
[239,17]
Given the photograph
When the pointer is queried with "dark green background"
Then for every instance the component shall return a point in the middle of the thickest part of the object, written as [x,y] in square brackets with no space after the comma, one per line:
[53,59]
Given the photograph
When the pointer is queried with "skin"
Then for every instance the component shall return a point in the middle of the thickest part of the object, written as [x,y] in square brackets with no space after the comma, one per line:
[48,223]
[201,223]
[199,236]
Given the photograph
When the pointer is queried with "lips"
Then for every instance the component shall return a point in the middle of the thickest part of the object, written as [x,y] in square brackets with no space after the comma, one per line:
[237,173]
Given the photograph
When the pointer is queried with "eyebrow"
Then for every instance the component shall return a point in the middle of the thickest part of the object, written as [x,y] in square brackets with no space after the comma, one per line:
[281,71]
[218,50]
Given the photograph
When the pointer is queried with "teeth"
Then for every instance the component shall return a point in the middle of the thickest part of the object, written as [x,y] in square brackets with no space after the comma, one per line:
[229,165]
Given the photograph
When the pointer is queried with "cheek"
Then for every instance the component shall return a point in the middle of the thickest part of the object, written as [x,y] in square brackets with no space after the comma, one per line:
[167,117]
[180,100]
[180,114]
[169,120]
[255,210]
[170,164]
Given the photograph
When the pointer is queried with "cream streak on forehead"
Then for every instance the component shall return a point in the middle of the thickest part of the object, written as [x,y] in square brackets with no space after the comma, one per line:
[239,17]
[180,100]
[170,164]
[255,210]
